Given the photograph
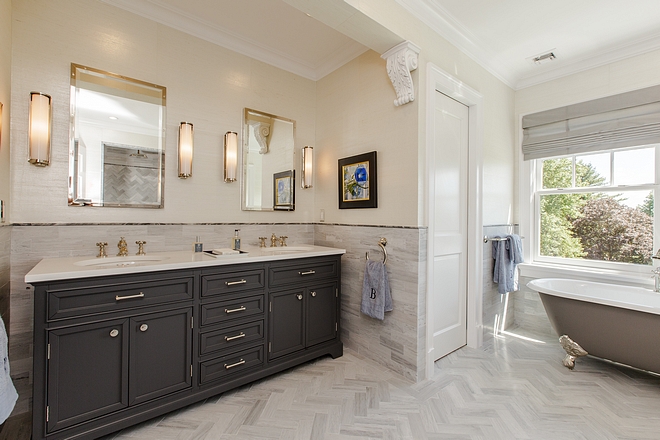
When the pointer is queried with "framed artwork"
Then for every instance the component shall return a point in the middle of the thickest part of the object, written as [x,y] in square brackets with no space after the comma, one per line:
[284,191]
[358,187]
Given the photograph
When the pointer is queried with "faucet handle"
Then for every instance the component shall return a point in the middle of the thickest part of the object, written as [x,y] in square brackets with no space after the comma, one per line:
[273,240]
[262,242]
[102,252]
[141,244]
[283,240]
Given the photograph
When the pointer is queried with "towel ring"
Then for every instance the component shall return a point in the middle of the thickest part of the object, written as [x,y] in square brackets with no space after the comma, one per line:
[382,243]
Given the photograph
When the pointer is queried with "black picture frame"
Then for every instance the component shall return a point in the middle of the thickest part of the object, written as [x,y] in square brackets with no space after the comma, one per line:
[358,182]
[284,191]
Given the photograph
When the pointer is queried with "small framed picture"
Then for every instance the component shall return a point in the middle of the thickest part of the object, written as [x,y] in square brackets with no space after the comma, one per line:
[358,187]
[284,191]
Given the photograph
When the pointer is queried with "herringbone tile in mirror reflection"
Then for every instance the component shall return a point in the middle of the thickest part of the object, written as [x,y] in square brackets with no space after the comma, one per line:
[511,389]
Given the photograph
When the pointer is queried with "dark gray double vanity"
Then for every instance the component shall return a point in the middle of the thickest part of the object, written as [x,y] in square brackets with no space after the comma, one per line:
[121,340]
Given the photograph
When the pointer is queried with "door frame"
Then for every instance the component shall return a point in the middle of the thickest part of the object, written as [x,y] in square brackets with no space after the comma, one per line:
[437,80]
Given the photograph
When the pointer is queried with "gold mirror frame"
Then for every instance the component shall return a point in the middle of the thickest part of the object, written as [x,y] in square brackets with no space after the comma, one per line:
[116,141]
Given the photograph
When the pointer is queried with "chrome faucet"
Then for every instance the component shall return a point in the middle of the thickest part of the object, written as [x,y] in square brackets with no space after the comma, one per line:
[656,277]
[123,248]
[273,240]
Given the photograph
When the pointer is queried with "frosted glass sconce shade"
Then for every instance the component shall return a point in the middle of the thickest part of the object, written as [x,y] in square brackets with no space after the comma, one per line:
[39,129]
[231,156]
[307,167]
[185,149]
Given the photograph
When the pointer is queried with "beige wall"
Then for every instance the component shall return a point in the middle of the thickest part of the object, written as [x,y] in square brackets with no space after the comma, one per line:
[5,94]
[206,85]
[355,115]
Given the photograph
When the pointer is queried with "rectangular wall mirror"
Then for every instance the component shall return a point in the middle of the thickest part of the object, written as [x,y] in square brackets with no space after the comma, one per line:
[268,154]
[117,140]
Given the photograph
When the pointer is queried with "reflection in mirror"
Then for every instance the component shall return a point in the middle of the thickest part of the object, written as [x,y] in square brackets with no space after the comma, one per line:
[117,138]
[268,151]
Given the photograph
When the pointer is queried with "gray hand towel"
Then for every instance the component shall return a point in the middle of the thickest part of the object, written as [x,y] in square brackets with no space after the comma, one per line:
[507,254]
[376,294]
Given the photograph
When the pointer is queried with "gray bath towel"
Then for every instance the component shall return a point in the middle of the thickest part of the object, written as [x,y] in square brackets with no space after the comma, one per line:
[376,294]
[507,254]
[8,393]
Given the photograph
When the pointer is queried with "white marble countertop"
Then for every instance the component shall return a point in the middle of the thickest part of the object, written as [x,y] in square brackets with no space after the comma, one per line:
[52,269]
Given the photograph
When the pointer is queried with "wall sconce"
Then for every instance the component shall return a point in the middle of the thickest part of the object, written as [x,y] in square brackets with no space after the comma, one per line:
[231,156]
[39,129]
[185,149]
[307,167]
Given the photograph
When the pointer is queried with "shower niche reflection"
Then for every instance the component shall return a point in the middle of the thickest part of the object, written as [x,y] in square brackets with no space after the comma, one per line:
[116,152]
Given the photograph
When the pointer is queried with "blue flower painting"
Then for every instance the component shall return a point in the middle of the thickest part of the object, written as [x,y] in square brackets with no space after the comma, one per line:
[356,181]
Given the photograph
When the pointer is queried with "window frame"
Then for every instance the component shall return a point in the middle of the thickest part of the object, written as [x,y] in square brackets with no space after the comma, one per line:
[537,191]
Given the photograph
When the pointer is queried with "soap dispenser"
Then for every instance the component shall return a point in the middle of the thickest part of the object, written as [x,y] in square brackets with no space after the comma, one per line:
[236,240]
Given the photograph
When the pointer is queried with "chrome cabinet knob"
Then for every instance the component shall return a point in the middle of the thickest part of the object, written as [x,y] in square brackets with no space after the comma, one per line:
[313,293]
[114,333]
[299,297]
[144,327]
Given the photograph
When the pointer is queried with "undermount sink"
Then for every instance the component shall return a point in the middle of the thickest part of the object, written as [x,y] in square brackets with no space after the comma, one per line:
[119,261]
[287,249]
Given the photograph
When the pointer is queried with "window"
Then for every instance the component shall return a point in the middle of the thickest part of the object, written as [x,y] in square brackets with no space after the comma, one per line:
[597,208]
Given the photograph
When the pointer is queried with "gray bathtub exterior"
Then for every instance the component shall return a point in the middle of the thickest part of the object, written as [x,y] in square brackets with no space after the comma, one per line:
[621,335]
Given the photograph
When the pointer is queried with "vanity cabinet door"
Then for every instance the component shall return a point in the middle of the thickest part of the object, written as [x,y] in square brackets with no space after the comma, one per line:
[321,314]
[161,354]
[87,372]
[286,323]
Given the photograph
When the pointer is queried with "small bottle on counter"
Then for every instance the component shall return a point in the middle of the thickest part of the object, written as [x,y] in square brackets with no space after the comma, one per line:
[236,241]
[197,246]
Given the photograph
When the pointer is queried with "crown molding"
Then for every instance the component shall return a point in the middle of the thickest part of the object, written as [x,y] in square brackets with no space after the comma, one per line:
[183,21]
[442,22]
[597,59]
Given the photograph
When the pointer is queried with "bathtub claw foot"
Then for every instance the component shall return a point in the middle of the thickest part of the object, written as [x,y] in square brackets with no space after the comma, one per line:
[573,351]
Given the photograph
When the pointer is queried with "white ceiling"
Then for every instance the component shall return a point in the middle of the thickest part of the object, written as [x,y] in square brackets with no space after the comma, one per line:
[501,35]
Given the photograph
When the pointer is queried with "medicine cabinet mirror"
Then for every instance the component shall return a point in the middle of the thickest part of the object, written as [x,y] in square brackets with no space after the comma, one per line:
[117,140]
[268,162]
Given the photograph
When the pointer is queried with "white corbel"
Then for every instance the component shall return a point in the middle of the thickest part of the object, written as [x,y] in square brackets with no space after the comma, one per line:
[401,60]
[261,133]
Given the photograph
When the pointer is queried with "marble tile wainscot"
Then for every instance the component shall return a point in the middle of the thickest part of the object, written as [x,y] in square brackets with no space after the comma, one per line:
[30,243]
[398,342]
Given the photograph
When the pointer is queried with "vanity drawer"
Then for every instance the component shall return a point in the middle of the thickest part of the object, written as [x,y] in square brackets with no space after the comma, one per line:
[81,301]
[301,271]
[224,311]
[230,337]
[231,282]
[231,364]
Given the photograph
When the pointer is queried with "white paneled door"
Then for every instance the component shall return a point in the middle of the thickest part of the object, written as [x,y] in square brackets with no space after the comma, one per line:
[450,176]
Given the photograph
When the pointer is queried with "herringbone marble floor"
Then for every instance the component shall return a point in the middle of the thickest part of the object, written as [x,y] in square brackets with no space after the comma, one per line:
[510,389]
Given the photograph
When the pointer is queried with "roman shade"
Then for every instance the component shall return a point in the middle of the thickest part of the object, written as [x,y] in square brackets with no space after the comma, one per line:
[625,120]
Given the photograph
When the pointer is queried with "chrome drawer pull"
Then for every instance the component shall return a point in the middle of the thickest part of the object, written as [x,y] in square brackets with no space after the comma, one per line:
[313,293]
[231,338]
[232,283]
[119,298]
[241,362]
[309,272]
[114,333]
[240,309]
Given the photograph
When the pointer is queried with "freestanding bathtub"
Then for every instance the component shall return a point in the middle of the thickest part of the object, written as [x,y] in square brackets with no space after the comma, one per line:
[618,323]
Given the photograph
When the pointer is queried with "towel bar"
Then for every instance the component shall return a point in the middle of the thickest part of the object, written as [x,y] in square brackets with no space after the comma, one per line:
[382,243]
[487,239]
